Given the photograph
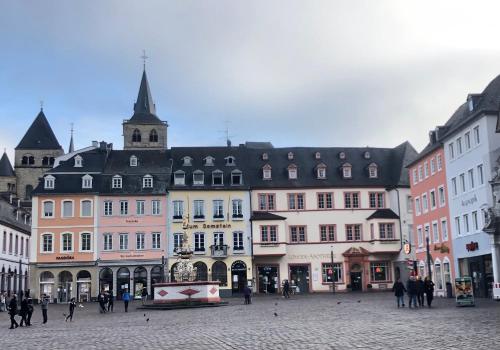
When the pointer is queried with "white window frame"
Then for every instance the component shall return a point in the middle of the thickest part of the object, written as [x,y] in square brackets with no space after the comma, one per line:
[53,209]
[78,161]
[156,242]
[218,209]
[267,172]
[425,203]
[418,207]
[426,169]
[470,175]
[72,208]
[178,209]
[87,181]
[236,172]
[42,242]
[120,241]
[218,173]
[156,207]
[196,206]
[454,187]
[458,225]
[415,178]
[347,171]
[133,161]
[444,229]
[373,171]
[116,181]
[198,182]
[124,206]
[106,246]
[467,141]
[432,194]
[451,150]
[140,241]
[475,221]
[435,231]
[292,173]
[459,146]
[439,161]
[480,175]
[433,165]
[80,246]
[237,209]
[140,204]
[91,207]
[463,185]
[179,178]
[61,242]
[441,196]
[420,173]
[477,139]
[49,182]
[105,211]
[147,181]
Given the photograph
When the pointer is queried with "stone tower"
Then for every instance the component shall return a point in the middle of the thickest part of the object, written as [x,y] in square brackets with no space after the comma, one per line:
[7,175]
[34,155]
[144,130]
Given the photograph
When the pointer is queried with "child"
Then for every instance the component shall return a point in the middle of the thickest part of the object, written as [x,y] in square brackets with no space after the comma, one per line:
[72,305]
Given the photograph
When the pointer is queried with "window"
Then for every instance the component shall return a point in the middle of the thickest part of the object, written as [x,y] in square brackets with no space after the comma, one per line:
[433,199]
[462,182]
[266,201]
[439,162]
[85,242]
[321,171]
[49,182]
[123,207]
[433,166]
[67,209]
[123,241]
[67,242]
[446,272]
[86,208]
[236,177]
[199,210]
[29,160]
[386,231]
[466,223]
[108,208]
[218,209]
[420,237]
[139,241]
[177,241]
[266,172]
[292,172]
[425,203]
[199,242]
[219,240]
[409,204]
[476,135]
[16,247]
[353,232]
[454,186]
[4,242]
[108,241]
[136,136]
[290,155]
[87,181]
[480,174]
[420,173]
[414,173]
[238,240]
[230,161]
[209,161]
[147,181]
[418,209]
[435,232]
[376,200]
[327,272]
[153,136]
[475,223]
[296,201]
[78,161]
[317,155]
[427,230]
[237,208]
[187,161]
[444,230]
[155,239]
[459,146]
[297,234]
[327,233]
[179,178]
[198,177]
[325,200]
[155,207]
[217,178]
[48,209]
[426,170]
[471,178]
[133,161]
[457,225]
[47,243]
[379,271]
[11,240]
[178,210]
[268,233]
[373,171]
[451,150]
[351,200]
[265,156]
[22,246]
[441,195]
[347,171]
[467,140]
[139,205]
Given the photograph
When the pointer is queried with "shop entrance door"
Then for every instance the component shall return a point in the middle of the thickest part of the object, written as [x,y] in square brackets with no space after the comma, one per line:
[299,278]
[268,279]
[238,276]
[356,283]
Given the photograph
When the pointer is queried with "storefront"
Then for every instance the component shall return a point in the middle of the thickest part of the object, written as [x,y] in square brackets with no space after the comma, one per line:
[480,268]
[268,279]
[140,281]
[83,286]
[299,277]
[122,282]
[238,276]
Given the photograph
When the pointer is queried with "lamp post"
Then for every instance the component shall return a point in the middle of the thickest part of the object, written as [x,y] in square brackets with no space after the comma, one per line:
[429,270]
[331,275]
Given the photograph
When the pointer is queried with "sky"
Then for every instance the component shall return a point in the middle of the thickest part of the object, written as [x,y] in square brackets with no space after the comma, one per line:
[296,73]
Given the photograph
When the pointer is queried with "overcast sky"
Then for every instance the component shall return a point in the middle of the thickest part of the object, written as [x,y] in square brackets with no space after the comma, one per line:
[296,73]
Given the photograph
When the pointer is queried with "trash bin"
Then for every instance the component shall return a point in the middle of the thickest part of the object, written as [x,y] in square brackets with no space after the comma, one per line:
[449,291]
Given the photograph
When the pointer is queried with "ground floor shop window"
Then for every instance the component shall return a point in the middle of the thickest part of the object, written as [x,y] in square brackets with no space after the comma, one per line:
[327,272]
[219,273]
[83,286]
[379,271]
[46,284]
[438,274]
[446,272]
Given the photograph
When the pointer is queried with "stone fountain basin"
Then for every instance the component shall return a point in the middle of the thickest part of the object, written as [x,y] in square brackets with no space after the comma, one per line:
[186,292]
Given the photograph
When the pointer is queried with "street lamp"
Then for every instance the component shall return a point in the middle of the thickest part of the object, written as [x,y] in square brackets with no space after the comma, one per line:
[429,270]
[331,269]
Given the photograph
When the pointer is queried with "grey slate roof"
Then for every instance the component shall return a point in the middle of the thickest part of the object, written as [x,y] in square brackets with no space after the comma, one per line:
[39,135]
[264,216]
[8,217]
[5,166]
[144,107]
[383,214]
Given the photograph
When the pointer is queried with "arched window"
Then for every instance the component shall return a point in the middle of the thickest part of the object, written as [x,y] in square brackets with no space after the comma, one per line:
[219,273]
[153,136]
[45,161]
[31,160]
[106,279]
[201,271]
[136,136]
[24,160]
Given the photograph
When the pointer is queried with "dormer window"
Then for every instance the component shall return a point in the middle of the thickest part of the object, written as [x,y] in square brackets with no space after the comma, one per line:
[347,171]
[198,177]
[236,177]
[230,161]
[209,161]
[342,155]
[87,181]
[317,155]
[116,182]
[290,155]
[266,172]
[373,171]
[321,171]
[265,156]
[78,162]
[292,172]
[367,155]
[217,178]
[133,161]
[179,178]
[147,181]
[49,182]
[187,161]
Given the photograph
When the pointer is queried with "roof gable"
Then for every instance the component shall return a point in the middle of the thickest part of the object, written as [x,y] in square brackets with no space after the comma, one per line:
[39,135]
[6,166]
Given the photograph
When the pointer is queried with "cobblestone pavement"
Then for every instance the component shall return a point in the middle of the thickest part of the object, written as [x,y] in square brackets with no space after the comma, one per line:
[303,322]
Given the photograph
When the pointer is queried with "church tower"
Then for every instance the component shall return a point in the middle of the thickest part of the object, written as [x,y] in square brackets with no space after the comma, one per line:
[144,130]
[35,154]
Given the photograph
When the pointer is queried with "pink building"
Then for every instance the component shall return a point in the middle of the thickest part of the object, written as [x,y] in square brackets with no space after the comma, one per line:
[431,216]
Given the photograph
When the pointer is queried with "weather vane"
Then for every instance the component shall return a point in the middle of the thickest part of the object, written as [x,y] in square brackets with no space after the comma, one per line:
[41,105]
[144,58]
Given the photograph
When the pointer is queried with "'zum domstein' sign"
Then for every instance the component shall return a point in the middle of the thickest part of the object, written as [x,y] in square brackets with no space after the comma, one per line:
[186,226]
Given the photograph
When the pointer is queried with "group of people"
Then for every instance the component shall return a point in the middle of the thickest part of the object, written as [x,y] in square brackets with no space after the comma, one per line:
[106,301]
[25,310]
[416,289]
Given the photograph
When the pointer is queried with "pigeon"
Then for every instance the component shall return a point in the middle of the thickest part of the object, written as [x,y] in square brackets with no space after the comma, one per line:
[338,302]
[144,315]
[275,314]
[359,301]
[276,304]
[147,320]
[64,315]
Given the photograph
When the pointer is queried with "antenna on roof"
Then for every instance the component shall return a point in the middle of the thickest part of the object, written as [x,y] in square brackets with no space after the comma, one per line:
[227,136]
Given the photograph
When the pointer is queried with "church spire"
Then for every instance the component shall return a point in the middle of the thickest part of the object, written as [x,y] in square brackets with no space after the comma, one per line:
[144,103]
[71,145]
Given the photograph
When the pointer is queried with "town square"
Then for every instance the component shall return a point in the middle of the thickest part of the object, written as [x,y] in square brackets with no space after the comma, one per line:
[249,175]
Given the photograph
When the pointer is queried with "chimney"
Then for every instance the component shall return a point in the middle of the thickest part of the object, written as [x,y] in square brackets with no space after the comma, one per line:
[432,137]
[10,198]
[103,145]
[95,144]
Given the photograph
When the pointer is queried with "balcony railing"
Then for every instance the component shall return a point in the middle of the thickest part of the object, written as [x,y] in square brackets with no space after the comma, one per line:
[219,251]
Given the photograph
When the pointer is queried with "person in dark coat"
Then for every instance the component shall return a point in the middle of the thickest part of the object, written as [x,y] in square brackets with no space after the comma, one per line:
[420,291]
[110,301]
[30,310]
[144,295]
[399,291]
[72,305]
[286,289]
[412,291]
[45,307]
[248,294]
[429,290]
[24,312]
[101,299]
[13,312]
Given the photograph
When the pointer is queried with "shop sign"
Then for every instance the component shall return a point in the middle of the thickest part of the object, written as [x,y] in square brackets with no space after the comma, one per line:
[309,256]
[131,255]
[205,226]
[65,257]
[472,246]
[131,221]
[469,201]
[407,248]
[441,248]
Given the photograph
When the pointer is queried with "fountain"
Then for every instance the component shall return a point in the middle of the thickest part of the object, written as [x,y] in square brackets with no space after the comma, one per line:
[186,291]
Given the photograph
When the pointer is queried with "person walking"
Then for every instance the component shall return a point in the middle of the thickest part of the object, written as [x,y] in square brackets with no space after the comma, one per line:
[110,301]
[420,291]
[126,299]
[3,302]
[248,295]
[399,291]
[72,305]
[412,291]
[30,309]
[429,290]
[144,295]
[101,298]
[45,307]
[13,312]
[24,312]
[286,289]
